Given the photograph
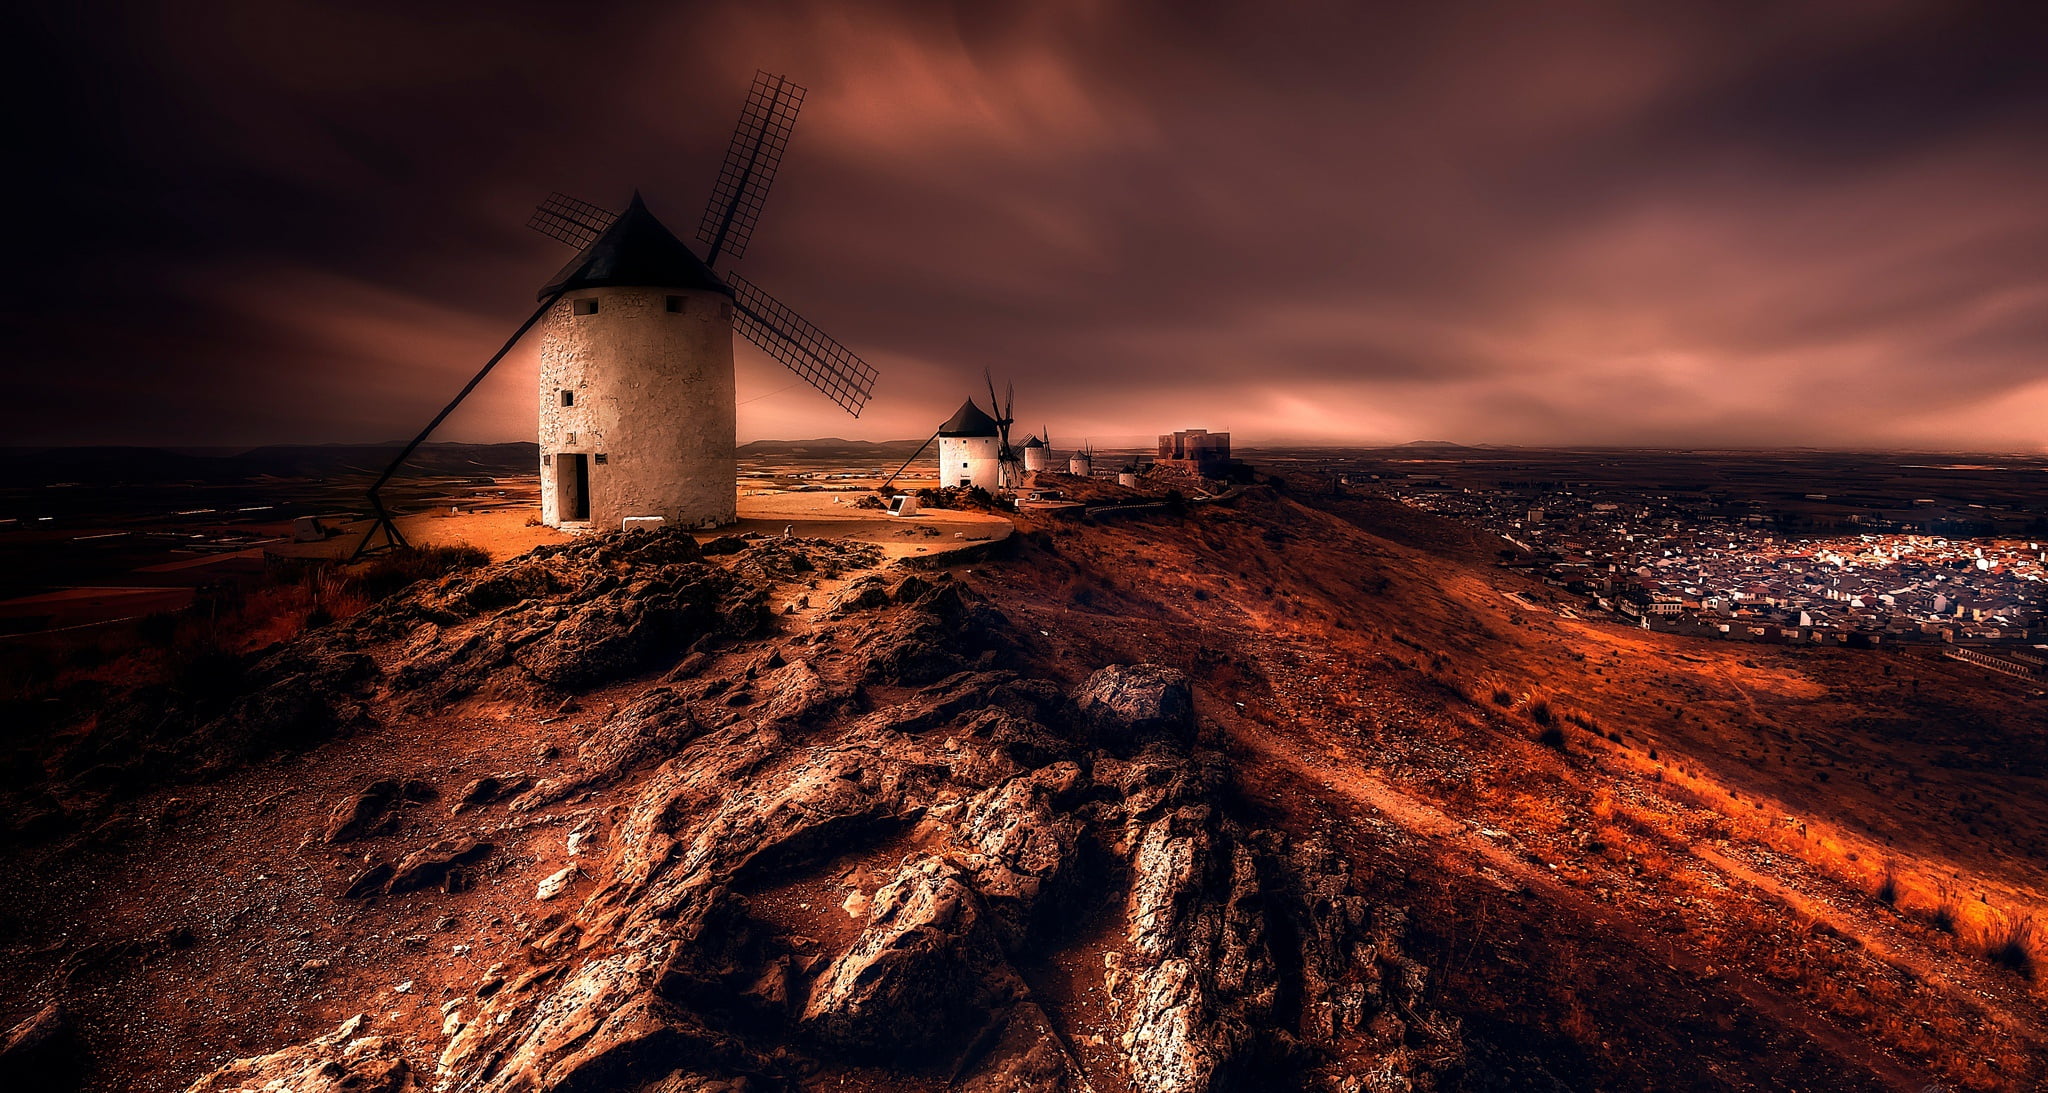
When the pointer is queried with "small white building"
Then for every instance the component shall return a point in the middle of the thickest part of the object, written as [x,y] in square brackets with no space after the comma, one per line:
[1081,464]
[1037,456]
[970,449]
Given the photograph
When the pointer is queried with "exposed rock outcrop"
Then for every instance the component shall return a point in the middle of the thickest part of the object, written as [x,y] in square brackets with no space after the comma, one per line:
[1126,705]
[876,858]
[41,1053]
[343,1061]
[445,864]
[565,617]
[373,811]
[926,969]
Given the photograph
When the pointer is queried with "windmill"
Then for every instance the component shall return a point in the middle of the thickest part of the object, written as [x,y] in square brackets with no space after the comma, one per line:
[1038,452]
[970,451]
[637,394]
[974,448]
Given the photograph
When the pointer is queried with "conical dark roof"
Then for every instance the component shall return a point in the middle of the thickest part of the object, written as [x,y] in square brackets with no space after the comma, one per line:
[970,421]
[636,251]
[1032,441]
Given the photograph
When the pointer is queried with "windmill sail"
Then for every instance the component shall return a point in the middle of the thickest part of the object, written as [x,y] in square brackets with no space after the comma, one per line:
[567,220]
[750,163]
[801,347]
[1009,459]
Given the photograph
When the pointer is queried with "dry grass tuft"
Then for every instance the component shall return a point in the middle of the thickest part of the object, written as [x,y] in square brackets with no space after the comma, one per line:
[1947,909]
[2012,943]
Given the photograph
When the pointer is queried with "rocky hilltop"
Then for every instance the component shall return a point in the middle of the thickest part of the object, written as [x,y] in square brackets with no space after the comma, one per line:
[830,828]
[1279,792]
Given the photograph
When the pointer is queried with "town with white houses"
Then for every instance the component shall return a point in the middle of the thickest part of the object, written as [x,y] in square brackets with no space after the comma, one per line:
[1665,567]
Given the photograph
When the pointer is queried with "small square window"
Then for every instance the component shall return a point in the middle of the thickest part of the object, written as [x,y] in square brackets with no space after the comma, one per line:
[571,440]
[586,307]
[725,311]
[600,458]
[677,305]
[547,459]
[568,397]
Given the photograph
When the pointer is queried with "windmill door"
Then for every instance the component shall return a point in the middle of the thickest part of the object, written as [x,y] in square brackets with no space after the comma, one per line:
[572,486]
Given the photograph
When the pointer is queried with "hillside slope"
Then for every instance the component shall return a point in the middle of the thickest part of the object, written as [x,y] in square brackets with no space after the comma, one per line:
[627,815]
[1277,794]
[1636,861]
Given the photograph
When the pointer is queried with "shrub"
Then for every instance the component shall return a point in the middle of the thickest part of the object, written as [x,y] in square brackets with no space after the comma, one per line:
[1541,713]
[2010,944]
[1552,738]
[1947,910]
[1503,697]
[955,497]
[390,572]
[870,501]
[1888,885]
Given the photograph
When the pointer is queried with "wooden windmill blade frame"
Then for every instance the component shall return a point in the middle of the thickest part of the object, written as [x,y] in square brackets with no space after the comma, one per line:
[797,343]
[568,220]
[751,160]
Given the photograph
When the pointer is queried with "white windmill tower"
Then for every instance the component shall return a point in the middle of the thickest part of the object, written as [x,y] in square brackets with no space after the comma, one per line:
[636,384]
[970,450]
[636,393]
[1082,463]
[975,448]
[1038,453]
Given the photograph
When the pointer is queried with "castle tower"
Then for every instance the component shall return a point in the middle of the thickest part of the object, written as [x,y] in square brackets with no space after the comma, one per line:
[970,450]
[636,384]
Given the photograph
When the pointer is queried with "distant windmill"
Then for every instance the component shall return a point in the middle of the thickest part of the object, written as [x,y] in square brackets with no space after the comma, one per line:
[637,402]
[1038,452]
[974,447]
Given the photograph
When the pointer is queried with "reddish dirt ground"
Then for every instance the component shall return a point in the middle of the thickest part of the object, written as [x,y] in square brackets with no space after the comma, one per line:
[1703,887]
[1691,905]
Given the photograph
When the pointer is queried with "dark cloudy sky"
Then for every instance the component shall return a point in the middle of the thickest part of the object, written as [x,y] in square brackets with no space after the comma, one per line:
[1624,223]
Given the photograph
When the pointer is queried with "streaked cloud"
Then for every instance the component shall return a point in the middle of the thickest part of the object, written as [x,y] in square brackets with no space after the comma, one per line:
[1586,223]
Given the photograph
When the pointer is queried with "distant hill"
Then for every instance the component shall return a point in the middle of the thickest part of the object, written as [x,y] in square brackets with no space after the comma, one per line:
[114,465]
